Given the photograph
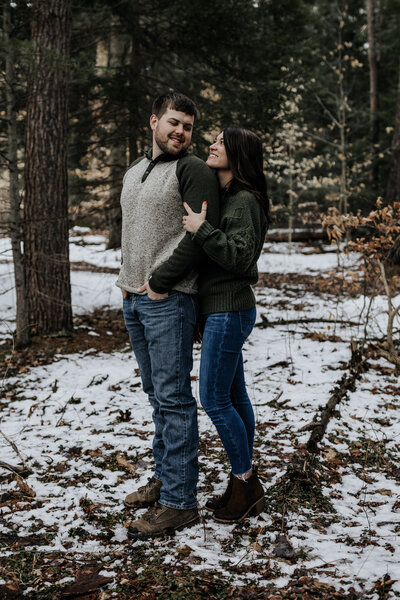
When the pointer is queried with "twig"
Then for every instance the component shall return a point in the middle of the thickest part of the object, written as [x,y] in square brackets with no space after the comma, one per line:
[14,447]
[390,354]
[64,408]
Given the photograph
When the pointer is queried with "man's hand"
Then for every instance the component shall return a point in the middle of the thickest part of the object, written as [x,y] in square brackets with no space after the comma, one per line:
[152,295]
[124,294]
[193,221]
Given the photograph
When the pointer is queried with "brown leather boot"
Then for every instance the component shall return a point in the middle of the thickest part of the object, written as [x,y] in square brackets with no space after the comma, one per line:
[145,496]
[220,501]
[247,499]
[161,520]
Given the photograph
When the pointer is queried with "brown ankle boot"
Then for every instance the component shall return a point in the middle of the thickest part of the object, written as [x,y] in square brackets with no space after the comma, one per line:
[220,501]
[247,498]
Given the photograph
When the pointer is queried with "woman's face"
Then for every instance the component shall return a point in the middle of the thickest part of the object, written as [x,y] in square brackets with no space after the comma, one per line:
[217,158]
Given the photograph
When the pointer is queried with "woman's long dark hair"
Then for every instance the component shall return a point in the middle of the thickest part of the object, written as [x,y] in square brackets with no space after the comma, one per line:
[245,159]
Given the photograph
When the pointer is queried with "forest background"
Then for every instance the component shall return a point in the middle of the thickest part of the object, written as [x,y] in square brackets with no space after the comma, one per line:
[317,80]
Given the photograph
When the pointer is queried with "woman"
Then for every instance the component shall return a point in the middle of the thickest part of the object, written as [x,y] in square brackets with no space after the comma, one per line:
[228,305]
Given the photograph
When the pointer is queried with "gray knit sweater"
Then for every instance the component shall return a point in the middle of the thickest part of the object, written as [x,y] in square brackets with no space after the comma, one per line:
[154,243]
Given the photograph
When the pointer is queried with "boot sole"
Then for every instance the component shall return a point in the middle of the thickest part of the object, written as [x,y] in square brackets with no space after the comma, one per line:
[254,510]
[167,531]
[143,504]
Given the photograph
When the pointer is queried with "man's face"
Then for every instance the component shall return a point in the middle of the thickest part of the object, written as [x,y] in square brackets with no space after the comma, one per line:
[172,132]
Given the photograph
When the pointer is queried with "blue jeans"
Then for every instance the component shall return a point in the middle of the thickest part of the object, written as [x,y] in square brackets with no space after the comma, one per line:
[161,334]
[223,392]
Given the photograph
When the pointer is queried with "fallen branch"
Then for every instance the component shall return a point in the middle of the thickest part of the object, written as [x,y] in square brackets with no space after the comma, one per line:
[390,357]
[301,484]
[346,384]
[23,471]
[266,323]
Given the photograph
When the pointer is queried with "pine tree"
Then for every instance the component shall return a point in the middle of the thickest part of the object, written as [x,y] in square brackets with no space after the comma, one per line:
[46,199]
[14,225]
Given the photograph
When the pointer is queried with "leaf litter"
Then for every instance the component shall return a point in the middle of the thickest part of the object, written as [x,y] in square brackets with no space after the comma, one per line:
[75,410]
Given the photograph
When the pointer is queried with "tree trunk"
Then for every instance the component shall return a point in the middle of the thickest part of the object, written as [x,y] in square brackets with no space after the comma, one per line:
[118,147]
[22,330]
[373,89]
[47,274]
[134,94]
[114,213]
[342,123]
[393,187]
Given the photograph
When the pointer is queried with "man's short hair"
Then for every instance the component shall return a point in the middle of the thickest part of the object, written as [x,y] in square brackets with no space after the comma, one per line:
[176,101]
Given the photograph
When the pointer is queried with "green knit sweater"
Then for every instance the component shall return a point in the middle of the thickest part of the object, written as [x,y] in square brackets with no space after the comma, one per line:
[232,252]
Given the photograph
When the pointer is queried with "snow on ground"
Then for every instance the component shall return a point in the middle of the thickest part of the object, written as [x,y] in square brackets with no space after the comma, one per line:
[297,258]
[97,290]
[70,418]
[89,290]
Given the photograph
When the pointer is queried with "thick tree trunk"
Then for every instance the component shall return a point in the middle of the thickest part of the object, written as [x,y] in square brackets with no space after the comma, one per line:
[373,88]
[22,330]
[393,186]
[46,192]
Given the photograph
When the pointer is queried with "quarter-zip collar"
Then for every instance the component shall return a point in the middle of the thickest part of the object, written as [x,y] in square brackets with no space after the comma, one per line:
[164,157]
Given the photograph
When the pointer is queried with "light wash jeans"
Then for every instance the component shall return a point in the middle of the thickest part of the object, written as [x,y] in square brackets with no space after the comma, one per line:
[161,334]
[223,392]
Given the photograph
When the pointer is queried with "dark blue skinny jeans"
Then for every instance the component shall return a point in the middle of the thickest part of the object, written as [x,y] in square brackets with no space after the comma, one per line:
[223,392]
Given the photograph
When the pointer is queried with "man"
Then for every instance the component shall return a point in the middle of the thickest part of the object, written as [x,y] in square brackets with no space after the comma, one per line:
[158,282]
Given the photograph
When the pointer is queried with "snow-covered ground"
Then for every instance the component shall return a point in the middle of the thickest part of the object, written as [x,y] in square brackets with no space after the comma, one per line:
[95,290]
[65,419]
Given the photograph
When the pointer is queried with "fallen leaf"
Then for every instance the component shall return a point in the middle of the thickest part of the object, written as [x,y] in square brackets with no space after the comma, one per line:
[283,548]
[185,551]
[330,454]
[122,462]
[94,453]
[255,546]
[384,492]
[9,591]
[24,487]
[32,408]
[86,581]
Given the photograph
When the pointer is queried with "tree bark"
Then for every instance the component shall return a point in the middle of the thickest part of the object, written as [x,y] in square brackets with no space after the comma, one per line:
[118,141]
[46,190]
[114,211]
[22,329]
[134,90]
[393,186]
[373,88]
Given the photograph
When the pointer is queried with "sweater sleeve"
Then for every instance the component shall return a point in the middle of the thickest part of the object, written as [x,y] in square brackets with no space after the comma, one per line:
[233,246]
[197,184]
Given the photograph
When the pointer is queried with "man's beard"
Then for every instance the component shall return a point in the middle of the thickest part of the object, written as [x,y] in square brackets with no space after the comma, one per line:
[165,149]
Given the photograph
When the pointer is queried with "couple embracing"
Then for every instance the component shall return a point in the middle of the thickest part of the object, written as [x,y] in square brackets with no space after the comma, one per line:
[191,236]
